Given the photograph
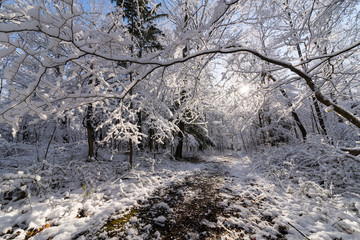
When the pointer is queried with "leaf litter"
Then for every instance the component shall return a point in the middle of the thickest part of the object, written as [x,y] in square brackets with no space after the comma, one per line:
[227,196]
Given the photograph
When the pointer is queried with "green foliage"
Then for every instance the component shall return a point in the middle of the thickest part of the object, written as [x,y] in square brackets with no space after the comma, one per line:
[141,23]
[87,192]
[113,227]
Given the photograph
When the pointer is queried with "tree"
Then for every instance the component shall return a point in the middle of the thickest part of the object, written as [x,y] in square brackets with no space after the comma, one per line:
[140,19]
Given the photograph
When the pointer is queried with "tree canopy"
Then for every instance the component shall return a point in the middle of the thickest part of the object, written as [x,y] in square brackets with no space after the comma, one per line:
[298,60]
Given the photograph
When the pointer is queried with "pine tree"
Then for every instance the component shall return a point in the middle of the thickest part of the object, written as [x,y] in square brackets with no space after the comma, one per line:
[141,24]
[140,19]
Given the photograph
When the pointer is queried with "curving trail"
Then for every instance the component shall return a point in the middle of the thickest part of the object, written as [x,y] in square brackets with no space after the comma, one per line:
[209,204]
[270,195]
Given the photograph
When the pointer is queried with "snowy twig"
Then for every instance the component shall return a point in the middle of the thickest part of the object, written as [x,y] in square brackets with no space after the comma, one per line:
[280,183]
[299,231]
[48,146]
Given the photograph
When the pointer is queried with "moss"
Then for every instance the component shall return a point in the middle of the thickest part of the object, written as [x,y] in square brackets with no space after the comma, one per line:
[116,226]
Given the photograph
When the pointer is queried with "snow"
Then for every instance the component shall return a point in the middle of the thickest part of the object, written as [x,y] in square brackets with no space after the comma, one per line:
[34,12]
[162,205]
[287,191]
[160,220]
[253,200]
[4,38]
[62,207]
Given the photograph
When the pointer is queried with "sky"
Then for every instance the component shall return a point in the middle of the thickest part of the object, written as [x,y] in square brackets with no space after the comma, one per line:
[104,5]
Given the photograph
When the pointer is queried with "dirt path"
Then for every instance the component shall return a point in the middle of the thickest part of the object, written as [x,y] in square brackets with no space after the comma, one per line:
[199,207]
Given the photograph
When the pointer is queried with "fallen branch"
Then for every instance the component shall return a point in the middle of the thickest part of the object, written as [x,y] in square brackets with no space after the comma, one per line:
[299,231]
[352,151]
[348,154]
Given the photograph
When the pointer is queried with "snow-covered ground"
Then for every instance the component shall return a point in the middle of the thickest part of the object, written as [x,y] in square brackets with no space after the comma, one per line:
[280,193]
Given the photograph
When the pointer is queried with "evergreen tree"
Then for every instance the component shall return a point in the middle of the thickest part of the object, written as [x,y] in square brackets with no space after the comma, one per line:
[140,19]
[141,24]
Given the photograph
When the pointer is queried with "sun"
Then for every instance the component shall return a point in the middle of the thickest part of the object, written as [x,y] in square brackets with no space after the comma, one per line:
[244,89]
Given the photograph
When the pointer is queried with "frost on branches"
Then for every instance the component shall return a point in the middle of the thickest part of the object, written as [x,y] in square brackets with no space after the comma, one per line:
[274,82]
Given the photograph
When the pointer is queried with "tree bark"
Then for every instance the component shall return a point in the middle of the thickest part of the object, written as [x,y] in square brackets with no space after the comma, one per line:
[151,140]
[89,125]
[319,116]
[242,139]
[179,147]
[293,113]
[299,52]
[130,141]
[90,131]
[130,153]
[1,85]
[299,124]
[309,82]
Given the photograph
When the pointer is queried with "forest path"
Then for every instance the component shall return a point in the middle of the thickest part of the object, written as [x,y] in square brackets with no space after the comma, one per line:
[209,204]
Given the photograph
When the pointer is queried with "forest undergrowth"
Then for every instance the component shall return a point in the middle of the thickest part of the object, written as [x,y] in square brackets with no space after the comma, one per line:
[298,191]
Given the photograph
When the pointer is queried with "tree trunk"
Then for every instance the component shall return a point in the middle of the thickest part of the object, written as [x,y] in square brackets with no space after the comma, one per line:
[130,141]
[319,116]
[132,23]
[299,124]
[315,124]
[313,87]
[151,140]
[90,131]
[293,113]
[299,52]
[179,147]
[242,139]
[139,123]
[89,126]
[261,125]
[130,153]
[1,85]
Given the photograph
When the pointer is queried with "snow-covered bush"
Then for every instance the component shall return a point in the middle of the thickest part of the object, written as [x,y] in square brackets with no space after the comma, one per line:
[17,186]
[14,149]
[321,163]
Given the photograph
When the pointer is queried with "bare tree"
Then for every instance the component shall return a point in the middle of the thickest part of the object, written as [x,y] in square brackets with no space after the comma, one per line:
[30,34]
